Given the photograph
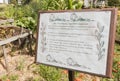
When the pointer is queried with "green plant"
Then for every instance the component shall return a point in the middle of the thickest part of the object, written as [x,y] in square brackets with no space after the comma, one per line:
[55,4]
[118,26]
[117,49]
[116,67]
[2,6]
[13,1]
[20,64]
[7,11]
[24,2]
[9,77]
[34,79]
[75,4]
[49,73]
[26,22]
[113,2]
[37,5]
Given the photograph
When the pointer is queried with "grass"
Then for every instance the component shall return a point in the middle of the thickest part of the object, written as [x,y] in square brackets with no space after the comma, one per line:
[20,65]
[9,78]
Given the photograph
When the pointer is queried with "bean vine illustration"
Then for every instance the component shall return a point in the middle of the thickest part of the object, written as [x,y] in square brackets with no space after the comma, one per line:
[43,38]
[101,43]
[74,17]
[50,58]
[52,17]
[72,62]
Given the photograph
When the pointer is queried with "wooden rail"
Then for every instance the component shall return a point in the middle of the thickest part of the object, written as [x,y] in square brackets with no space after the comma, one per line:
[8,24]
[8,40]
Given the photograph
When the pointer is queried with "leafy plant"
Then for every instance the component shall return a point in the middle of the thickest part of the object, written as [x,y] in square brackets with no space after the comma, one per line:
[118,26]
[26,22]
[75,4]
[20,65]
[114,2]
[116,67]
[7,11]
[9,78]
[49,73]
[34,79]
[13,1]
[56,4]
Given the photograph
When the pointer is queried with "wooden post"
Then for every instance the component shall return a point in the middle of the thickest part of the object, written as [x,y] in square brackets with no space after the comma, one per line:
[30,44]
[5,57]
[71,75]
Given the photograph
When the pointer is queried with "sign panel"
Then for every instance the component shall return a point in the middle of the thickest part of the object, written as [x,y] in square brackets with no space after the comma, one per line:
[77,40]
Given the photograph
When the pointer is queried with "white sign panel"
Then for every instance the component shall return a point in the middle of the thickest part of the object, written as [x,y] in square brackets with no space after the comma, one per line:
[74,40]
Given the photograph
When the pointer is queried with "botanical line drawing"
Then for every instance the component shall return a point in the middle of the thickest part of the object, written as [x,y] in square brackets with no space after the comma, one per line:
[73,17]
[71,62]
[43,37]
[101,43]
[50,58]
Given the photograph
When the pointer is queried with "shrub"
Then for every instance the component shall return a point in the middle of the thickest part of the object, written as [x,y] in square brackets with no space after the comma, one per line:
[26,22]
[13,1]
[118,26]
[9,78]
[49,73]
[113,2]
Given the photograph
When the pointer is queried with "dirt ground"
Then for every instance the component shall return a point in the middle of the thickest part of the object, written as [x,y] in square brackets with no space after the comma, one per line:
[18,63]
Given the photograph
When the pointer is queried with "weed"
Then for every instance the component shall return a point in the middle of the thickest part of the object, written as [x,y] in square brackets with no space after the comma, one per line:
[49,73]
[20,65]
[10,77]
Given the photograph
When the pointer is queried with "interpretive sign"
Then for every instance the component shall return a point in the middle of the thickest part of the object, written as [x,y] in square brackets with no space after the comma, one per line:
[80,40]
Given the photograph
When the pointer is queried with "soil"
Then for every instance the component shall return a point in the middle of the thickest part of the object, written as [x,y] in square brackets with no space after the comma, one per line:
[19,63]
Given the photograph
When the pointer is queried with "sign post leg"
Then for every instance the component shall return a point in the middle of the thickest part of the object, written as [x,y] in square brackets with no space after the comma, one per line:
[71,75]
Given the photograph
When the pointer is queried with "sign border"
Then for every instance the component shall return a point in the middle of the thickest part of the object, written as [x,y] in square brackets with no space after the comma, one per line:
[110,43]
